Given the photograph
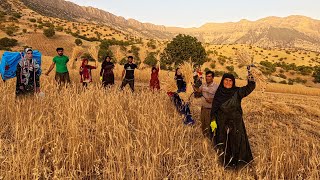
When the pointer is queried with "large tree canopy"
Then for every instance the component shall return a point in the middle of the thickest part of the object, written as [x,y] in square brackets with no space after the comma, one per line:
[183,48]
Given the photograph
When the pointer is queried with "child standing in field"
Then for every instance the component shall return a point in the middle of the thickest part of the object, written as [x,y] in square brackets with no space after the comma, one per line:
[85,72]
[154,81]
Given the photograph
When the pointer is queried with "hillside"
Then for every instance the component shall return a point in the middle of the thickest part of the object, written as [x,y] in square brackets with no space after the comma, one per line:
[290,32]
[281,65]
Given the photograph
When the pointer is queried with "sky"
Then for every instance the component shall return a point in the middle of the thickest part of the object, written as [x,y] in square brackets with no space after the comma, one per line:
[187,13]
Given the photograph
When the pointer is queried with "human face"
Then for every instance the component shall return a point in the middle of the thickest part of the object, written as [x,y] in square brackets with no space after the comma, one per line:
[108,59]
[85,62]
[178,72]
[60,52]
[29,55]
[130,60]
[227,83]
[209,78]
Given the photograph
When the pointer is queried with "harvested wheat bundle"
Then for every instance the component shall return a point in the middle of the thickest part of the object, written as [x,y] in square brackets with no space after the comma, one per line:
[167,82]
[245,59]
[187,72]
[94,52]
[76,53]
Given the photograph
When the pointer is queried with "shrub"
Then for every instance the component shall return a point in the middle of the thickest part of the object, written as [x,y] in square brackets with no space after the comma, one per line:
[7,43]
[78,42]
[230,68]
[32,20]
[151,59]
[213,65]
[49,32]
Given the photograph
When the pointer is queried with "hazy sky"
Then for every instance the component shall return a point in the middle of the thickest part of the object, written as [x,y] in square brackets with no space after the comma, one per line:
[187,13]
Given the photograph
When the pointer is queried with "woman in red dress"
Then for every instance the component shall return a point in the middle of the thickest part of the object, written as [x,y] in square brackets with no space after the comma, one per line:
[154,81]
[85,72]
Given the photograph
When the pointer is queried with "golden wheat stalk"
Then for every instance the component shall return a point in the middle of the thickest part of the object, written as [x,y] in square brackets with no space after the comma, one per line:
[76,52]
[245,59]
[94,52]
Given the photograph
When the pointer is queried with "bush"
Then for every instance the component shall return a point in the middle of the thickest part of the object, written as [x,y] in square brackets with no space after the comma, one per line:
[316,74]
[151,59]
[49,32]
[282,76]
[218,73]
[213,65]
[7,43]
[78,42]
[230,68]
[207,69]
[123,61]
[283,82]
[24,30]
[152,44]
[222,59]
[87,56]
[16,15]
[32,20]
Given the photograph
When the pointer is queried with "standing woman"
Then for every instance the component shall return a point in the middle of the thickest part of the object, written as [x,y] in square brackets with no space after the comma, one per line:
[154,81]
[181,84]
[231,137]
[106,73]
[85,72]
[28,75]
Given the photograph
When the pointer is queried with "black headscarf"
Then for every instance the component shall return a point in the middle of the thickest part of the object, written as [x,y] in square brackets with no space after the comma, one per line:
[223,94]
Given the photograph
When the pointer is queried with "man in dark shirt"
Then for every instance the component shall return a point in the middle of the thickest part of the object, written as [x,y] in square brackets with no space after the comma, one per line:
[128,74]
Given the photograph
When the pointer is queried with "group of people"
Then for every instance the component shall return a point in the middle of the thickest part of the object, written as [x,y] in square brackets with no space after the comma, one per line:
[221,112]
[29,71]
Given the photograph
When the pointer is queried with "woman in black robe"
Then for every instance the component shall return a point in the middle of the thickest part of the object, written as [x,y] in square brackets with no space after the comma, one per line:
[231,138]
[106,73]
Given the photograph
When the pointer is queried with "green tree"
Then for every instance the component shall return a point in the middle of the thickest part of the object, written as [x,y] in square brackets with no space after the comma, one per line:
[181,49]
[105,52]
[316,74]
[49,32]
[151,59]
[87,56]
[78,42]
[7,43]
[230,68]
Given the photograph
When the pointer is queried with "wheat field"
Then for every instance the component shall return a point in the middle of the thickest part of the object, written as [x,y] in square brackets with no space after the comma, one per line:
[73,133]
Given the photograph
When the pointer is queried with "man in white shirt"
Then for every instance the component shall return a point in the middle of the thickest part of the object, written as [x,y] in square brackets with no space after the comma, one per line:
[208,91]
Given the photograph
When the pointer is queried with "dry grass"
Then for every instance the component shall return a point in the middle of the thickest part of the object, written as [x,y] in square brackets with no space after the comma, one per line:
[99,134]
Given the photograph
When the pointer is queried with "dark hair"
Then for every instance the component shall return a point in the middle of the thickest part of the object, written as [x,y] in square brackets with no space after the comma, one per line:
[59,49]
[210,72]
[130,57]
[153,68]
[176,71]
[105,59]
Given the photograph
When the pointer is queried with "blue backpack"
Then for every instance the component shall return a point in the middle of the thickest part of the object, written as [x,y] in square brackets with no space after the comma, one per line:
[10,60]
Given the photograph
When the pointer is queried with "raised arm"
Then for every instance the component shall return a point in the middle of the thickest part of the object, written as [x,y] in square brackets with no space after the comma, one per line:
[246,90]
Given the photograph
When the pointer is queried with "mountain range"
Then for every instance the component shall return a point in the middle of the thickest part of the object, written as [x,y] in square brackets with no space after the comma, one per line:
[292,31]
